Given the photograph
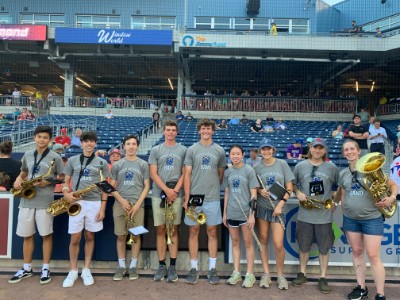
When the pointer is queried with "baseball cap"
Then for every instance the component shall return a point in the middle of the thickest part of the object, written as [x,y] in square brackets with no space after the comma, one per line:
[58,147]
[63,130]
[356,116]
[266,143]
[318,141]
[299,141]
[309,140]
[115,151]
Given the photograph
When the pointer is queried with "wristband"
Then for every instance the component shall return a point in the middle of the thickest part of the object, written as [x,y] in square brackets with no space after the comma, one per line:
[253,204]
[284,200]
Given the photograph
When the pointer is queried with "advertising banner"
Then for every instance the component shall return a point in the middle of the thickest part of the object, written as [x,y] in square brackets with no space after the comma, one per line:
[113,36]
[340,253]
[6,224]
[23,32]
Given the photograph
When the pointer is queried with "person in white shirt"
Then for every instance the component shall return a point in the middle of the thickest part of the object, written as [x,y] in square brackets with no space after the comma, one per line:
[377,136]
[16,96]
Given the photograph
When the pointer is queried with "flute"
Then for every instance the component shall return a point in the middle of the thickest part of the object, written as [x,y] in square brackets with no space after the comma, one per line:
[270,201]
[253,233]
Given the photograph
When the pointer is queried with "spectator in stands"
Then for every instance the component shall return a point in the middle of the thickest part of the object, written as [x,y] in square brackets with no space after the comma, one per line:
[7,164]
[295,151]
[16,113]
[76,139]
[254,157]
[58,186]
[222,125]
[397,149]
[395,174]
[16,97]
[257,126]
[189,117]
[180,116]
[268,128]
[269,118]
[306,148]
[234,121]
[378,33]
[101,101]
[280,125]
[4,181]
[273,31]
[377,136]
[109,114]
[244,120]
[114,156]
[364,114]
[338,132]
[156,119]
[63,139]
[371,123]
[30,116]
[172,106]
[354,27]
[359,133]
[117,101]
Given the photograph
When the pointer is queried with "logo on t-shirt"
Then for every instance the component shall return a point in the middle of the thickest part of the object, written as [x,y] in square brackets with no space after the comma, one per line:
[270,180]
[129,178]
[205,163]
[316,178]
[85,172]
[169,164]
[236,183]
[356,190]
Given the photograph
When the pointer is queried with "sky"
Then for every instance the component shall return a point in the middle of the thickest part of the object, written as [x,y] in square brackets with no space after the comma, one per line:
[331,2]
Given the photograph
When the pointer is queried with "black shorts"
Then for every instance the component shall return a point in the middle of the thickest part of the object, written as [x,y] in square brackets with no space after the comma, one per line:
[235,223]
[322,233]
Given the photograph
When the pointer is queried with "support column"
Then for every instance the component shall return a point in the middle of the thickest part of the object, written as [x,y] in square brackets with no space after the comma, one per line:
[69,86]
[180,90]
[188,86]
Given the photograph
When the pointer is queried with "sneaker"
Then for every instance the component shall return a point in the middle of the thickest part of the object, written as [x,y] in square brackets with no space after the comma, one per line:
[380,297]
[70,280]
[192,277]
[45,277]
[133,274]
[212,276]
[358,293]
[265,281]
[87,277]
[323,286]
[249,280]
[119,274]
[282,283]
[161,273]
[235,278]
[21,274]
[172,277]
[301,279]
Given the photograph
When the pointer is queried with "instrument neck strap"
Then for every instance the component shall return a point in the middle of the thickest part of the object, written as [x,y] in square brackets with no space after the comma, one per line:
[36,163]
[355,179]
[81,159]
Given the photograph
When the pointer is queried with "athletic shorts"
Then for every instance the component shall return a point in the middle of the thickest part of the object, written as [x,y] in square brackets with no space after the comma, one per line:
[159,213]
[121,225]
[30,218]
[212,209]
[235,223]
[322,233]
[86,219]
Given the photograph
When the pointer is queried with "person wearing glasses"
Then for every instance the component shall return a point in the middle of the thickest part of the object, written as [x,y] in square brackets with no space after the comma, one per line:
[315,179]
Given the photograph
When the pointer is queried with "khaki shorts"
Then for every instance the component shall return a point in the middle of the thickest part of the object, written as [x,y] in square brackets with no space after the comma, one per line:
[120,224]
[159,213]
[86,219]
[29,217]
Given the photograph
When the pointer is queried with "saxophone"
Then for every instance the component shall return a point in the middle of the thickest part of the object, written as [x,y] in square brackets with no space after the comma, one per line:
[62,205]
[27,190]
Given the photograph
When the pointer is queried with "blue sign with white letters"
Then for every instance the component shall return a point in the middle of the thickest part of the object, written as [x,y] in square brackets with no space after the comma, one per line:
[113,36]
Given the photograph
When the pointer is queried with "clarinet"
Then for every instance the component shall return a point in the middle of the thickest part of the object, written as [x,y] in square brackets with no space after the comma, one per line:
[270,201]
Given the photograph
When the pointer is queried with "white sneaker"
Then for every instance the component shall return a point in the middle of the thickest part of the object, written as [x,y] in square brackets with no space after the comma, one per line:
[70,280]
[87,277]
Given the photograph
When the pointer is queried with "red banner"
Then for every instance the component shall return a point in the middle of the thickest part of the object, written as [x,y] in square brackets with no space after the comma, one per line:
[23,32]
[4,225]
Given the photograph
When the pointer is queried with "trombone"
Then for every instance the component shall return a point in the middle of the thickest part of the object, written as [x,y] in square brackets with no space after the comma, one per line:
[311,203]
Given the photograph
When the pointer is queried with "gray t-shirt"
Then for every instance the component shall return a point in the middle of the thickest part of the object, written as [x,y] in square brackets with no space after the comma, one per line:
[239,181]
[205,162]
[44,195]
[90,174]
[169,162]
[279,172]
[130,176]
[359,204]
[328,173]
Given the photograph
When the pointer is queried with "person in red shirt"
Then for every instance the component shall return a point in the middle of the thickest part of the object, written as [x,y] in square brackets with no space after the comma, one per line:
[63,139]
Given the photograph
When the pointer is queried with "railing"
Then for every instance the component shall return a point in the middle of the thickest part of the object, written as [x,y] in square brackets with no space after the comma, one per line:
[388,109]
[268,104]
[10,100]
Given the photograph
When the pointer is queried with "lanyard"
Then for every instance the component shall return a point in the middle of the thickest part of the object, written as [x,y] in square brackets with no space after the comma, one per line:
[82,158]
[36,164]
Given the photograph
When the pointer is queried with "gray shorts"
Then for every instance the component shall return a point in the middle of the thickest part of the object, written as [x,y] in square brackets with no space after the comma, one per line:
[159,213]
[212,210]
[30,218]
[121,225]
[322,233]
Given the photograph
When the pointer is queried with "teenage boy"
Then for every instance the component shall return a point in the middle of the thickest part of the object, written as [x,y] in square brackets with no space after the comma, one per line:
[131,178]
[167,169]
[84,170]
[32,212]
[204,170]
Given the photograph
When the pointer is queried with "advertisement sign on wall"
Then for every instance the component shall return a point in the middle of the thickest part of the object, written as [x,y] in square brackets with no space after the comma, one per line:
[23,32]
[6,224]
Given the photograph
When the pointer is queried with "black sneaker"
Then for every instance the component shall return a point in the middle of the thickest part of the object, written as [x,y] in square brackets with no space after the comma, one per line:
[21,274]
[358,293]
[300,279]
[380,297]
[45,277]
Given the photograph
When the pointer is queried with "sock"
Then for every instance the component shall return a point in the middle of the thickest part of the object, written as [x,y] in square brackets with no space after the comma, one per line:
[213,262]
[28,267]
[121,262]
[162,262]
[45,266]
[133,263]
[193,264]
[172,261]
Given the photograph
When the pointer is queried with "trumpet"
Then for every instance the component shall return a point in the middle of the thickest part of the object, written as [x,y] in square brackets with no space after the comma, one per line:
[27,190]
[311,203]
[192,214]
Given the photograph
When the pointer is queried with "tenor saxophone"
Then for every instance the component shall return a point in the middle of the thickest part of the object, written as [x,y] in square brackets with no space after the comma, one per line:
[27,190]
